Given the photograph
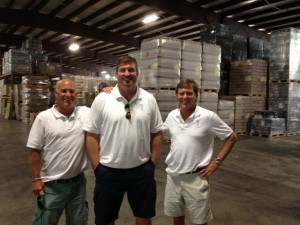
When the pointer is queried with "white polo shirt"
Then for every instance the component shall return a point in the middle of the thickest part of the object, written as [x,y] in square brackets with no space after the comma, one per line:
[192,140]
[62,142]
[124,143]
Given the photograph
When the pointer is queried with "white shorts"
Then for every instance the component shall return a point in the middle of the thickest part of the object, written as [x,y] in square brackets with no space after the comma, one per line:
[188,192]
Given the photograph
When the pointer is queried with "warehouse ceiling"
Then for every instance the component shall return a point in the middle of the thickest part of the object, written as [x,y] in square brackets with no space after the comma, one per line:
[106,29]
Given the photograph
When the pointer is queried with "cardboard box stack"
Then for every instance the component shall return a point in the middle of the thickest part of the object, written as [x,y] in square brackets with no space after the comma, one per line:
[191,57]
[209,100]
[16,61]
[267,123]
[221,35]
[211,60]
[248,81]
[248,77]
[284,87]
[242,112]
[160,63]
[226,112]
[166,100]
[35,97]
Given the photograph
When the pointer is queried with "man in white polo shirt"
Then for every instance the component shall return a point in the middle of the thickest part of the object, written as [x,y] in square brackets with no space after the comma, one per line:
[58,158]
[124,138]
[192,130]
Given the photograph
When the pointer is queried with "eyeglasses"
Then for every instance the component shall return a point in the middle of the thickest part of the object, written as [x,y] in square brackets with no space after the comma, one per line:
[127,109]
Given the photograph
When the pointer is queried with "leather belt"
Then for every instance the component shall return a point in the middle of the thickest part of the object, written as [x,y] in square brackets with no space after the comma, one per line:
[70,180]
[195,171]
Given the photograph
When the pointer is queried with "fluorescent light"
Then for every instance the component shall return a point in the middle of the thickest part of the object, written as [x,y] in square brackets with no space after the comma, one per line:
[74,47]
[150,18]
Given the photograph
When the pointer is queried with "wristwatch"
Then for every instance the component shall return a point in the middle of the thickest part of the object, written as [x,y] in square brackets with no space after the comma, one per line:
[218,161]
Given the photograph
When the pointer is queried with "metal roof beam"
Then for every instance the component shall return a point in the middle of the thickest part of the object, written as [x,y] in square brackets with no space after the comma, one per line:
[198,14]
[30,19]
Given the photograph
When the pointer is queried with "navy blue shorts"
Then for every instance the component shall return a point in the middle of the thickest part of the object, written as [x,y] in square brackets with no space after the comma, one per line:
[112,184]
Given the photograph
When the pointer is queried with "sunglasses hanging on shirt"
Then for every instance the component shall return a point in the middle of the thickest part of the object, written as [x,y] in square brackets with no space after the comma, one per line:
[127,109]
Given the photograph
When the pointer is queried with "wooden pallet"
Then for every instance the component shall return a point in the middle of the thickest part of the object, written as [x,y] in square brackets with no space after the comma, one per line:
[285,81]
[209,90]
[268,135]
[251,95]
[293,134]
[166,88]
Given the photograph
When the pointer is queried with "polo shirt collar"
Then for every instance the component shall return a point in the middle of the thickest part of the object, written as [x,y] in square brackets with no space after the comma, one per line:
[58,115]
[193,116]
[117,94]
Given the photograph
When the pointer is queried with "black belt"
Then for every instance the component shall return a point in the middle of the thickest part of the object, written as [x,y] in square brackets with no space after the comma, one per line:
[70,180]
[195,171]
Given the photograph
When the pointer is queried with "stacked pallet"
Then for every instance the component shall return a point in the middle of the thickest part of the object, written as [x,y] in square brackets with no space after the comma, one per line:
[24,70]
[248,90]
[35,97]
[267,124]
[209,100]
[242,112]
[221,35]
[210,74]
[191,60]
[226,112]
[16,61]
[164,61]
[248,77]
[284,86]
[5,98]
[166,101]
[160,70]
[160,63]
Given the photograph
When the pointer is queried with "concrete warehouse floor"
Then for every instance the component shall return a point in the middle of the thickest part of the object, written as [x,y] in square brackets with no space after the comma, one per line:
[258,184]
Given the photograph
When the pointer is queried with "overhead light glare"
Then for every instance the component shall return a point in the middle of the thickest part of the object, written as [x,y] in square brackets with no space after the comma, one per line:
[251,25]
[74,46]
[151,18]
[250,1]
[241,21]
[262,29]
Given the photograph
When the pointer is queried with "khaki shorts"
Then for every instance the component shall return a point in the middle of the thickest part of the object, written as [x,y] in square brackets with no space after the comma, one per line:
[188,192]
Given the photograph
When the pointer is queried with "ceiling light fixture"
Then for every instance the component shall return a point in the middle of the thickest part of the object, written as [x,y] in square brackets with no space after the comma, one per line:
[151,18]
[74,46]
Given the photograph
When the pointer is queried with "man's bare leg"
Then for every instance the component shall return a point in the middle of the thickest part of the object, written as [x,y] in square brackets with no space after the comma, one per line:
[142,221]
[179,220]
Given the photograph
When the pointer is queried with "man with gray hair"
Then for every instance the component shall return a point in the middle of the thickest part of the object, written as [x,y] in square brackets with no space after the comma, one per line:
[57,159]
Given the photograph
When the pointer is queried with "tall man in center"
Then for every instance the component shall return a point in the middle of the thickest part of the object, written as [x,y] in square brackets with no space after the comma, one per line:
[123,141]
